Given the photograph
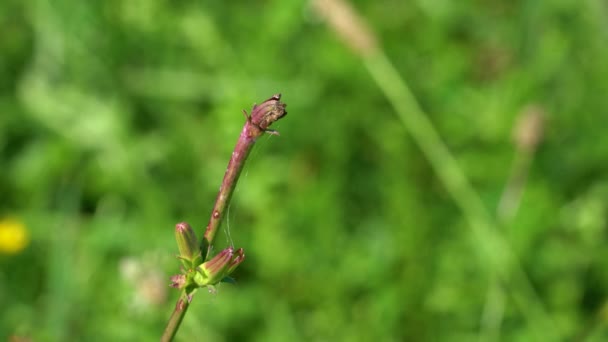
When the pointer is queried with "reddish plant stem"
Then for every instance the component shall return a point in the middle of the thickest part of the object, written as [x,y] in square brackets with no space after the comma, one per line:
[176,317]
[241,151]
[262,116]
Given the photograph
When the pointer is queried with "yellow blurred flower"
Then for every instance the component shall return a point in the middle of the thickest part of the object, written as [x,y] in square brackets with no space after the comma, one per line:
[14,236]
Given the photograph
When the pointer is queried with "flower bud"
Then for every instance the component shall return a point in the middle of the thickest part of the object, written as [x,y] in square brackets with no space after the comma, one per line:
[236,260]
[528,131]
[269,111]
[220,266]
[187,243]
[178,281]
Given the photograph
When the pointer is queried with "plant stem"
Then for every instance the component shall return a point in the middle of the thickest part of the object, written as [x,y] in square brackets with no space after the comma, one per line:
[176,317]
[262,116]
[493,248]
[527,134]
[257,124]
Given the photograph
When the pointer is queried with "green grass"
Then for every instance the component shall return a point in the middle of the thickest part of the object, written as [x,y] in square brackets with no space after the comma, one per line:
[117,120]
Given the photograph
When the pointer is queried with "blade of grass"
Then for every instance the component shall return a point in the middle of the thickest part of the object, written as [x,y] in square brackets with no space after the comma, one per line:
[527,134]
[494,250]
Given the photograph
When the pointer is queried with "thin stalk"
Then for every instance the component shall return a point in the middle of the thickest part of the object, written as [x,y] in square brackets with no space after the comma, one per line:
[262,116]
[494,250]
[527,134]
[257,124]
[176,317]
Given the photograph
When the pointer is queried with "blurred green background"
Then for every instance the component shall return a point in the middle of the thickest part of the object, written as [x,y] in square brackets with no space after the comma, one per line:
[117,119]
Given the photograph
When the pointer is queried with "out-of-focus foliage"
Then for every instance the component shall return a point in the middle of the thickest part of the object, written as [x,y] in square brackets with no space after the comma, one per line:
[117,119]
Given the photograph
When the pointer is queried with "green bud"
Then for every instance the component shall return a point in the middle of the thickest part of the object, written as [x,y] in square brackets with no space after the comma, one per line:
[220,266]
[187,243]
